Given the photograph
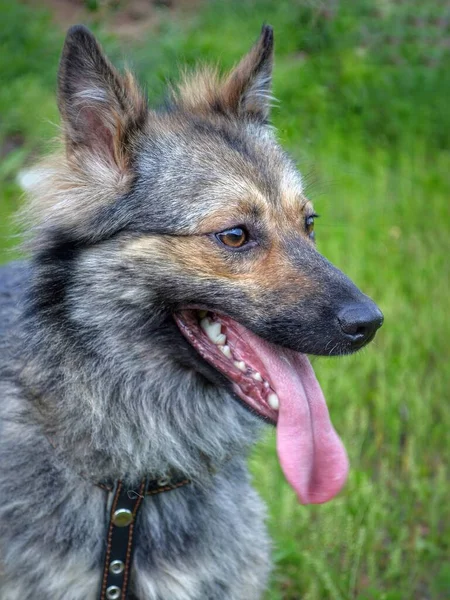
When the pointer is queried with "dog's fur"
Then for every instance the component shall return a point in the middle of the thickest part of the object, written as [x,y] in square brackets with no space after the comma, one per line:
[96,380]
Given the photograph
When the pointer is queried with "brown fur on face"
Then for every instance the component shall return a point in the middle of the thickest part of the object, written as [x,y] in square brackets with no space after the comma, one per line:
[265,268]
[201,258]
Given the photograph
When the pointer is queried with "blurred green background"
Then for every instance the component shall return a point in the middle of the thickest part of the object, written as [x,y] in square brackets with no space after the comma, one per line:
[364,98]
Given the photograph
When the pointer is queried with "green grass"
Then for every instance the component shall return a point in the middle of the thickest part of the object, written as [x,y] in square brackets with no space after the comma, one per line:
[363,96]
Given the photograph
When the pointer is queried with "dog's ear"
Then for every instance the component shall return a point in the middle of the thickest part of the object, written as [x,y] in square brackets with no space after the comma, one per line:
[247,90]
[245,93]
[100,108]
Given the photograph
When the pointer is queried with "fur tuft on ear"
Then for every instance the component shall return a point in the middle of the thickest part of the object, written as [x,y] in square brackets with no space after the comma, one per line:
[245,93]
[100,108]
[247,88]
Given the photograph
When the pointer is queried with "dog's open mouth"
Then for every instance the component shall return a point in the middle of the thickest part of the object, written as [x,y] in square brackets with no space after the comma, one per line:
[279,385]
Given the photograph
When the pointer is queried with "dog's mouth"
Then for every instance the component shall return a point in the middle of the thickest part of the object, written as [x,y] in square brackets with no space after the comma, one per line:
[279,385]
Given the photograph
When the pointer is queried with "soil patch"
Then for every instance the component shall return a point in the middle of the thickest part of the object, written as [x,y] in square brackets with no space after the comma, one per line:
[129,19]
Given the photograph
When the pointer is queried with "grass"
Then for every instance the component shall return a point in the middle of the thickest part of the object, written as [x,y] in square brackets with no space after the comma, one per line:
[363,90]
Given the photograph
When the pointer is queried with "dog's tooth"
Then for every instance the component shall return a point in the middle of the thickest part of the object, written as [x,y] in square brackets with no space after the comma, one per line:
[240,364]
[221,339]
[273,401]
[266,385]
[211,328]
[257,376]
[226,350]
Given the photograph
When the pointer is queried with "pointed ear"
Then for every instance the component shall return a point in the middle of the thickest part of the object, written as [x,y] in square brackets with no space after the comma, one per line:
[100,109]
[247,90]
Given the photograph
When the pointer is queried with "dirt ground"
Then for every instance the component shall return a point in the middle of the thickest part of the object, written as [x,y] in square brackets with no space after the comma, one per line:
[126,18]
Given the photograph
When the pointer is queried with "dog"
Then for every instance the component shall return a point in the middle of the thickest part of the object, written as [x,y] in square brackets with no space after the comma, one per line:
[161,321]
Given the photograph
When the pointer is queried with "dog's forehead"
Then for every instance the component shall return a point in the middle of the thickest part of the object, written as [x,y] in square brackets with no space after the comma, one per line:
[214,170]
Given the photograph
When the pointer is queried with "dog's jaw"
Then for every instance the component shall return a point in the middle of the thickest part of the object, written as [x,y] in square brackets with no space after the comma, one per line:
[217,342]
[279,385]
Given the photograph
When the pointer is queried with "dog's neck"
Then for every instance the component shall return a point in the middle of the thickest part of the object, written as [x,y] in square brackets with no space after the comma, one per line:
[126,407]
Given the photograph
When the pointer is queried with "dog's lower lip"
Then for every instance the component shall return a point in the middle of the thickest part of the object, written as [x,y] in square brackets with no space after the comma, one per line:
[311,454]
[213,340]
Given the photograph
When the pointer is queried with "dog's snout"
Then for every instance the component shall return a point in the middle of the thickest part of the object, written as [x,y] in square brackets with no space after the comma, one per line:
[359,322]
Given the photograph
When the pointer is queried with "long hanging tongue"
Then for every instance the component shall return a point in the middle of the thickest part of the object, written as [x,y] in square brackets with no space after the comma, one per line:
[311,454]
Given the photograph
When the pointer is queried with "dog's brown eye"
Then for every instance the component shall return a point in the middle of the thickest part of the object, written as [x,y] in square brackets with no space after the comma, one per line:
[233,238]
[309,225]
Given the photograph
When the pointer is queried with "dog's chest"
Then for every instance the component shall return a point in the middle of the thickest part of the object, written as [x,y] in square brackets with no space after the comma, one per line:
[191,544]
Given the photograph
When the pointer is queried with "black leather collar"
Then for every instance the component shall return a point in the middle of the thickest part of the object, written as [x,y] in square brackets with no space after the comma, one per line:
[124,513]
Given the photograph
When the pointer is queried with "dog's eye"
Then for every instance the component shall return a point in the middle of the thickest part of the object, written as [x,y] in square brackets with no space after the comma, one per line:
[233,238]
[309,225]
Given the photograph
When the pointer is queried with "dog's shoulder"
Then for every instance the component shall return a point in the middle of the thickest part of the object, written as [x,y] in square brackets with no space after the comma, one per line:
[13,279]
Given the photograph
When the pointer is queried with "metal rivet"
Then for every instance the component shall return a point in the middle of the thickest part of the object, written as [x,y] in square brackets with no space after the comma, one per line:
[113,592]
[116,567]
[163,481]
[122,517]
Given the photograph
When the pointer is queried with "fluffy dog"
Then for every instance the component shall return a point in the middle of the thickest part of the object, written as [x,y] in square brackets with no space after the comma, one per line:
[172,291]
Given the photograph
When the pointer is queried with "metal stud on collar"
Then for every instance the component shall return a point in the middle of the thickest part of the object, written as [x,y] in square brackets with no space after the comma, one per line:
[113,592]
[122,517]
[163,481]
[119,540]
[116,567]
[119,548]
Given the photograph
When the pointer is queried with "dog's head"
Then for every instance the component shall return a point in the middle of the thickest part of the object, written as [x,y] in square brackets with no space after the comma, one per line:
[200,221]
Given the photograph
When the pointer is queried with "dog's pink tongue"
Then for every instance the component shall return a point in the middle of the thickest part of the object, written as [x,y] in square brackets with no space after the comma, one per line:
[312,456]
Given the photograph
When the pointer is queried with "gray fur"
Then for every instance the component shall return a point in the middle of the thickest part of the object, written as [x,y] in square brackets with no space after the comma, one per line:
[95,384]
[97,381]
[206,540]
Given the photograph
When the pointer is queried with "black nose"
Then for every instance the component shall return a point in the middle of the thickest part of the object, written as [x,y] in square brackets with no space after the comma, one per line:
[359,321]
